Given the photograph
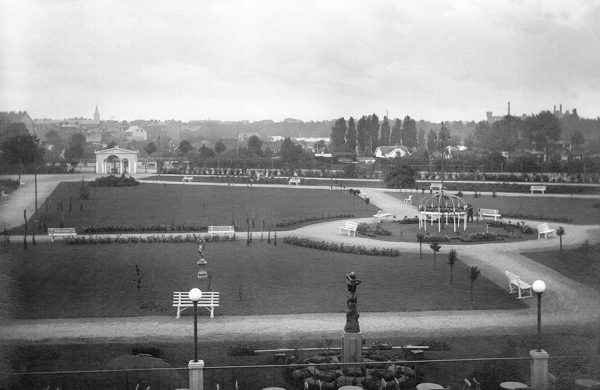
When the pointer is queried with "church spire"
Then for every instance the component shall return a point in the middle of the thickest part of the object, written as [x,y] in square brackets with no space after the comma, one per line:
[97,114]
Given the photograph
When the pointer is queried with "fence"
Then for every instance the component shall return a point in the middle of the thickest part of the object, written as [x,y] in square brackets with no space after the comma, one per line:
[399,374]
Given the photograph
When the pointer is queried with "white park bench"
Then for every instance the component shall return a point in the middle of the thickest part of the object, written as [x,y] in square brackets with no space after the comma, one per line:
[209,300]
[294,180]
[516,285]
[483,213]
[408,200]
[188,179]
[61,232]
[541,189]
[435,187]
[349,228]
[362,195]
[382,215]
[3,195]
[224,230]
[544,229]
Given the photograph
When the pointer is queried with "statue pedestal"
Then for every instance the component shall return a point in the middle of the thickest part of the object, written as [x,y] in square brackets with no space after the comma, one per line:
[352,347]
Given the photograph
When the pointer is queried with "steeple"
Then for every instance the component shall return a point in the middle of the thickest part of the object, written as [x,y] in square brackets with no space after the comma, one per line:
[97,114]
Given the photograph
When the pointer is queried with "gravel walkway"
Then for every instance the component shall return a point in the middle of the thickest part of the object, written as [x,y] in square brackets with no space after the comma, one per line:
[566,302]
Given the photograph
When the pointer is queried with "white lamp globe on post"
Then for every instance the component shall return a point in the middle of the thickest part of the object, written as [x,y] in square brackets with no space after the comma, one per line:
[195,295]
[538,288]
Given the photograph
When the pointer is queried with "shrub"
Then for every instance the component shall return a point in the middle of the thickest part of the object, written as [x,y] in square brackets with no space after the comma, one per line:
[334,247]
[431,237]
[113,181]
[158,238]
[294,221]
[483,236]
[407,220]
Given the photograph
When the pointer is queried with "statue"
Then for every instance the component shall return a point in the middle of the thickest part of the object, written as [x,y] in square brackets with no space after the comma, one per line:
[201,243]
[352,315]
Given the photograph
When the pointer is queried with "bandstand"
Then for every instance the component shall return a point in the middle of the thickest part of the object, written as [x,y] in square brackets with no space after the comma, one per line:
[116,161]
[442,206]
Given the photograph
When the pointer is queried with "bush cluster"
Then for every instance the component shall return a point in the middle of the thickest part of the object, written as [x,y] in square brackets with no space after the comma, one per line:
[537,217]
[431,237]
[483,236]
[294,221]
[407,220]
[334,247]
[114,181]
[143,228]
[366,230]
[157,238]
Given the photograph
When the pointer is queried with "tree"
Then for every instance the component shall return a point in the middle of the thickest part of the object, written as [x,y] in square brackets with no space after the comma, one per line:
[289,151]
[362,136]
[421,145]
[560,232]
[351,135]
[384,133]
[452,257]
[220,146]
[75,149]
[396,134]
[542,129]
[338,133]
[373,133]
[12,130]
[398,173]
[255,146]
[444,137]
[184,146]
[420,238]
[431,141]
[21,151]
[150,148]
[112,144]
[473,273]
[409,132]
[435,247]
[206,152]
[577,138]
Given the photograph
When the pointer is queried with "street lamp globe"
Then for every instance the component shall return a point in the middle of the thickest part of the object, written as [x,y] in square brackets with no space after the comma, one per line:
[195,294]
[538,286]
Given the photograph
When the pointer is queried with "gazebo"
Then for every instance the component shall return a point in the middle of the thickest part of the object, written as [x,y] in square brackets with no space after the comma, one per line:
[116,161]
[442,205]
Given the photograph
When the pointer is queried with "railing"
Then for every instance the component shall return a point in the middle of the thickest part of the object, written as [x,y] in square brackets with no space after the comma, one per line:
[564,370]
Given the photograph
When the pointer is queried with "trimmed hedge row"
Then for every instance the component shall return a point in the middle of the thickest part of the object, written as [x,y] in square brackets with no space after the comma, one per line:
[334,247]
[162,238]
[114,181]
[143,228]
[295,221]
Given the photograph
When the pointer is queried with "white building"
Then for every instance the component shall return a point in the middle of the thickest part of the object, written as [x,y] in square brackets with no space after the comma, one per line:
[391,151]
[135,133]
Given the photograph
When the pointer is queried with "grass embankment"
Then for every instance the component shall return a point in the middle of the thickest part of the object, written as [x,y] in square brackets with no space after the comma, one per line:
[101,280]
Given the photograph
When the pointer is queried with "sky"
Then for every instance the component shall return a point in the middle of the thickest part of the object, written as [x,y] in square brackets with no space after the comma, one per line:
[435,60]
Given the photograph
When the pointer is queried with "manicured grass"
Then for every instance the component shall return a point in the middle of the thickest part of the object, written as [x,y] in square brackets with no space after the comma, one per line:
[579,264]
[193,205]
[100,280]
[306,181]
[578,211]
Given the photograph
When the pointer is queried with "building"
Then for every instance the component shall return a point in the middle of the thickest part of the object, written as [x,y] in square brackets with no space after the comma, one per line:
[245,136]
[16,117]
[116,161]
[134,133]
[392,151]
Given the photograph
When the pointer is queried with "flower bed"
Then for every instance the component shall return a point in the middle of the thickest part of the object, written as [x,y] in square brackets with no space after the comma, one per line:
[332,246]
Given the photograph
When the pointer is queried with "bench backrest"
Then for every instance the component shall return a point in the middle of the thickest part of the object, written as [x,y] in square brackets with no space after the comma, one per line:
[350,225]
[295,180]
[538,187]
[212,229]
[512,277]
[61,231]
[488,211]
[208,298]
[543,227]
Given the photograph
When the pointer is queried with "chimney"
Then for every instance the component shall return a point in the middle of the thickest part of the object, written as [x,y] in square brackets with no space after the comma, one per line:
[509,108]
[555,109]
[560,109]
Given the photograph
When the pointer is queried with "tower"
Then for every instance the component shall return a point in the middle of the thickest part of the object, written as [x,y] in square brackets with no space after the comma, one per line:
[97,115]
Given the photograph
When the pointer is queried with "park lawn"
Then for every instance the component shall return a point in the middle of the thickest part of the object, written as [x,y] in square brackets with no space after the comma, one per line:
[306,181]
[404,232]
[577,211]
[192,205]
[580,264]
[100,280]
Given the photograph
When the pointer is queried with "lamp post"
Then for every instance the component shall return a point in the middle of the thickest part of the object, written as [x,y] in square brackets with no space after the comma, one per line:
[195,295]
[539,287]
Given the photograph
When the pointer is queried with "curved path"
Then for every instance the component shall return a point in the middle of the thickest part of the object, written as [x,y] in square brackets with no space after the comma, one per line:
[566,302]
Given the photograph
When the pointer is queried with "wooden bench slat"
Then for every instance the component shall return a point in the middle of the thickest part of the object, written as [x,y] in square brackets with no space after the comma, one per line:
[209,300]
[515,284]
[349,228]
[544,228]
[489,213]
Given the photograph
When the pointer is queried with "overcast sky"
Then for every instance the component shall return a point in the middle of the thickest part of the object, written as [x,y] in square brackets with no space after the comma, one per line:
[310,60]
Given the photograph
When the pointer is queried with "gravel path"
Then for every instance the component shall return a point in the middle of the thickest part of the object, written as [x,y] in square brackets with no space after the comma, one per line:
[566,302]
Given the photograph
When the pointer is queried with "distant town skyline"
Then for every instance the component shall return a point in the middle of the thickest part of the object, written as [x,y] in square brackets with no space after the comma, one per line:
[309,60]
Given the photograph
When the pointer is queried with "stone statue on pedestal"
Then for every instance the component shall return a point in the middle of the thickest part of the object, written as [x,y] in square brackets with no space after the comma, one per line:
[352,315]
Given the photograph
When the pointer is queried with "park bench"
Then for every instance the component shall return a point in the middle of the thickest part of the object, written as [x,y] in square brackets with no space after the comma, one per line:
[363,195]
[61,232]
[515,284]
[541,189]
[209,300]
[483,213]
[188,179]
[408,200]
[437,187]
[544,229]
[295,180]
[3,195]
[224,230]
[382,215]
[349,228]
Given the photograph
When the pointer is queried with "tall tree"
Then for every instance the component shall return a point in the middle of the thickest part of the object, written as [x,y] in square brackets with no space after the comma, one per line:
[421,145]
[255,145]
[76,149]
[289,151]
[362,135]
[431,141]
[542,129]
[396,134]
[21,151]
[577,138]
[384,133]
[338,133]
[444,137]
[220,146]
[409,132]
[184,146]
[351,135]
[150,148]
[398,173]
[205,152]
[373,132]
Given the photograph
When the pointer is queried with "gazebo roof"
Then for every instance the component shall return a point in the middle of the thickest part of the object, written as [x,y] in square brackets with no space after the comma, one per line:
[117,150]
[442,201]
